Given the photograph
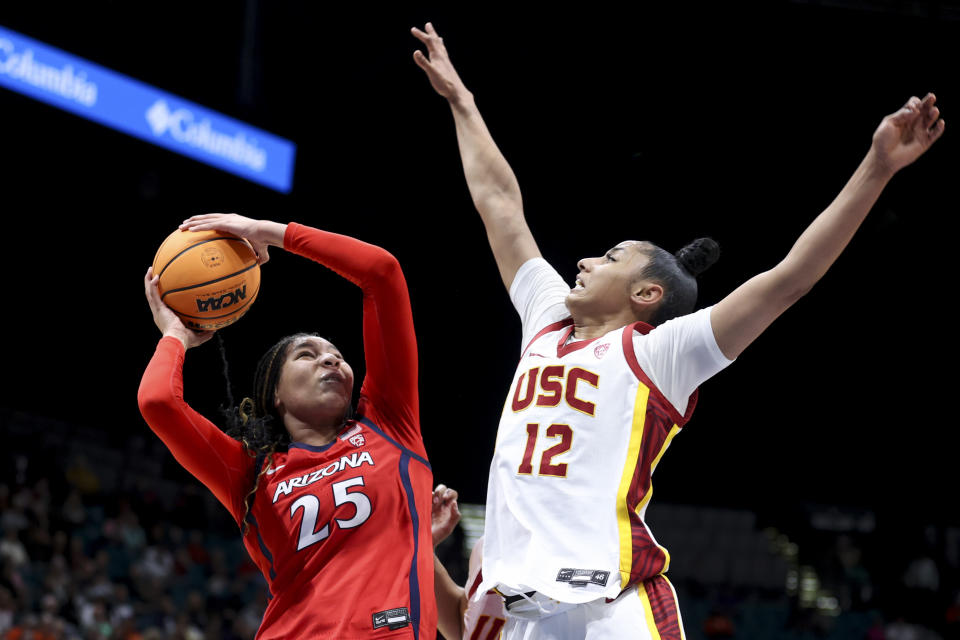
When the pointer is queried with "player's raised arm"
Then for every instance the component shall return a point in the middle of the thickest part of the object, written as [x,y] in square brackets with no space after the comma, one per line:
[901,138]
[492,184]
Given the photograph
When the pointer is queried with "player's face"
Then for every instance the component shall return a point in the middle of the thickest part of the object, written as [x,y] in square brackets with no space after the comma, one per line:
[316,383]
[603,284]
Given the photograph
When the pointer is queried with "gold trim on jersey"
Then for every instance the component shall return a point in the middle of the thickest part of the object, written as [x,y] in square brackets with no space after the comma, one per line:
[674,430]
[676,601]
[633,459]
[648,612]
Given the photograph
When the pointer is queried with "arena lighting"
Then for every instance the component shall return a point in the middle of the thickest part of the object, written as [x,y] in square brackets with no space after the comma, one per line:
[117,101]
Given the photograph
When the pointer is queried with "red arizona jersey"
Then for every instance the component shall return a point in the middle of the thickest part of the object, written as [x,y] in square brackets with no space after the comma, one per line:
[341,532]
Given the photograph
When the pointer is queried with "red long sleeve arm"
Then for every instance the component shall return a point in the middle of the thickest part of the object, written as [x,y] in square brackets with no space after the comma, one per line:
[213,457]
[389,342]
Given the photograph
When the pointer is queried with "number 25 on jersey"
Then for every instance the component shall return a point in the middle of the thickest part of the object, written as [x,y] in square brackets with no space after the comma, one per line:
[311,511]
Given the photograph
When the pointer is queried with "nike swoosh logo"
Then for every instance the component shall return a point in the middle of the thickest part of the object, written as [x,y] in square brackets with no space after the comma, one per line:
[270,472]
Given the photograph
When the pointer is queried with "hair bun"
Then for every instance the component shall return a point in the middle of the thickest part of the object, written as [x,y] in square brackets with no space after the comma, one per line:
[699,255]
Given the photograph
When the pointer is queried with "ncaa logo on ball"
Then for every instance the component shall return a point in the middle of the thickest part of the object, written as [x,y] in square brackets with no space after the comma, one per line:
[211,257]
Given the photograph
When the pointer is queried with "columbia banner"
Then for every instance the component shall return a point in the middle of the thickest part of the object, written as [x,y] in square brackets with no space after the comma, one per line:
[122,103]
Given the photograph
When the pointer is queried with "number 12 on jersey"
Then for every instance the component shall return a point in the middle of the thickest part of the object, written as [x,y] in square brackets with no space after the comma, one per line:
[547,467]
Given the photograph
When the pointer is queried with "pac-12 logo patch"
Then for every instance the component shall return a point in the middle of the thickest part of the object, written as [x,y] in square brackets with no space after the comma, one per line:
[354,436]
[601,350]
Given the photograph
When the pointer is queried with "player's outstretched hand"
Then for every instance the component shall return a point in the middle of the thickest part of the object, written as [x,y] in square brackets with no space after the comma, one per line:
[166,320]
[259,233]
[904,136]
[443,77]
[445,513]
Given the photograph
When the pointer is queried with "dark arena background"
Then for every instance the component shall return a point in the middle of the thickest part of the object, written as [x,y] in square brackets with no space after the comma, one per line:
[813,495]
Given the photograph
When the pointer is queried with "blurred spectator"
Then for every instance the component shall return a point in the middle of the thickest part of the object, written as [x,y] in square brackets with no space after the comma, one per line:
[7,609]
[12,550]
[82,477]
[922,574]
[718,625]
[73,512]
[900,629]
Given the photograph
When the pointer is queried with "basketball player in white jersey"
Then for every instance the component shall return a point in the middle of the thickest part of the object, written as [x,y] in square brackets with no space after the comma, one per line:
[460,613]
[608,376]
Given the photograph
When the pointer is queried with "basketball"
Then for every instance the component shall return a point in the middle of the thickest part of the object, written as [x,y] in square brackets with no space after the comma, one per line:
[208,278]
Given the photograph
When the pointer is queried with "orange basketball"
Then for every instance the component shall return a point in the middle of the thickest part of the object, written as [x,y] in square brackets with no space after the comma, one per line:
[208,278]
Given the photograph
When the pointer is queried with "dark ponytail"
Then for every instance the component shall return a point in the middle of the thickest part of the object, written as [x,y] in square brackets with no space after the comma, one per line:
[677,275]
[698,256]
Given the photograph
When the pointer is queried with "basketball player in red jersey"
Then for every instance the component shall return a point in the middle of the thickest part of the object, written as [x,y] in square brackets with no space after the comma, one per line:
[335,510]
[616,360]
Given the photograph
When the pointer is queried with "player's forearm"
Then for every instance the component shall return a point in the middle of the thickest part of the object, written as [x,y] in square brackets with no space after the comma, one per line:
[494,189]
[743,315]
[824,240]
[451,601]
[492,183]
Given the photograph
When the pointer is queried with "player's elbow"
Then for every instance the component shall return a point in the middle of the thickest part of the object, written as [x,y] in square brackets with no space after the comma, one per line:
[791,283]
[154,402]
[385,266]
[499,205]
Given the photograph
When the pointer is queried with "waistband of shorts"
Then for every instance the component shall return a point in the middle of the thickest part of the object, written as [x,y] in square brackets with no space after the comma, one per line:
[532,605]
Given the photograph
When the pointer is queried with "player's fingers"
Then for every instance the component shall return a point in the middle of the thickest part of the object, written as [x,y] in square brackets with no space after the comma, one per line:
[419,35]
[906,115]
[450,494]
[150,283]
[421,60]
[203,216]
[433,40]
[928,100]
[202,336]
[936,131]
[930,116]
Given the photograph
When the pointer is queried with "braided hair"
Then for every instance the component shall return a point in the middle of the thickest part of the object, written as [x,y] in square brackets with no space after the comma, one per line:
[677,274]
[255,421]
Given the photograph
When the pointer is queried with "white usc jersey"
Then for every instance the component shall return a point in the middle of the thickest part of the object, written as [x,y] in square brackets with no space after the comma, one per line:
[581,432]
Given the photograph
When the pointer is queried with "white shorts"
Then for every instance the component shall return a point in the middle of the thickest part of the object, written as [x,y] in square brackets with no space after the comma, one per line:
[648,611]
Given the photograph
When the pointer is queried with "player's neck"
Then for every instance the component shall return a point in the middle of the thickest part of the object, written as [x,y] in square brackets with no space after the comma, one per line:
[588,328]
[314,435]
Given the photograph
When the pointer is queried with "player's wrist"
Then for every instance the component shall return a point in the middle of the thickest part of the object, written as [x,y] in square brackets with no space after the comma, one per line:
[179,334]
[462,101]
[270,233]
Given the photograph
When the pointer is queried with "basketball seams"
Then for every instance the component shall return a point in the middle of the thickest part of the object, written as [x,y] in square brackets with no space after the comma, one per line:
[214,281]
[193,246]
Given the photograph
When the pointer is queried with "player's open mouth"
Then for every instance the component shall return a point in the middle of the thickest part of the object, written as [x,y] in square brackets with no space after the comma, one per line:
[578,284]
[328,377]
